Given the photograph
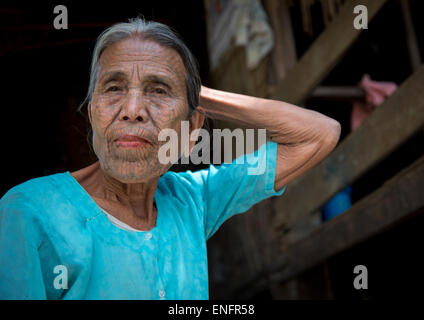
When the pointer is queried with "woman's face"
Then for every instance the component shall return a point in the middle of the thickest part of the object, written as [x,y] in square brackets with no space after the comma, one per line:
[140,91]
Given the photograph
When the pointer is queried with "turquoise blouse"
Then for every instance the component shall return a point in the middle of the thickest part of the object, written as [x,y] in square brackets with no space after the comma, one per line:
[57,243]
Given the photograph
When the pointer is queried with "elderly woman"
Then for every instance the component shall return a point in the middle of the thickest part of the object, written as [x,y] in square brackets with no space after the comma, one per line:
[125,227]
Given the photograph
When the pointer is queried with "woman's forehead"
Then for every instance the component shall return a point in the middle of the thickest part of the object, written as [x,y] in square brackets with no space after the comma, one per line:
[142,55]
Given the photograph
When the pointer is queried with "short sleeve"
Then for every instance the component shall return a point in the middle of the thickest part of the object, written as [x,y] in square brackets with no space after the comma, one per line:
[20,267]
[233,188]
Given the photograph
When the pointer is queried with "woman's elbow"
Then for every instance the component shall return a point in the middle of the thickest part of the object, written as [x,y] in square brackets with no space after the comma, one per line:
[332,134]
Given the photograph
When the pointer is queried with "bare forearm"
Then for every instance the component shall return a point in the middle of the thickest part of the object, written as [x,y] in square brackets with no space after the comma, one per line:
[285,123]
[304,136]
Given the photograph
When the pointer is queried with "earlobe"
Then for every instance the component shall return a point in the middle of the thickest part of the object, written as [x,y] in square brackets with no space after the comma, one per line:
[196,121]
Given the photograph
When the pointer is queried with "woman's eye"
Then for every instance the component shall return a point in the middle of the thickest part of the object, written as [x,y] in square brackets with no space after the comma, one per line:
[160,91]
[113,89]
[156,90]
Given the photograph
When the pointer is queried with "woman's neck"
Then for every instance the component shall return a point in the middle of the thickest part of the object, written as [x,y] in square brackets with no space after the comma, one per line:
[140,195]
[132,203]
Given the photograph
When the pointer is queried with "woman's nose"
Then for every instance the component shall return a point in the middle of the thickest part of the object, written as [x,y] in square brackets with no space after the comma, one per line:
[134,108]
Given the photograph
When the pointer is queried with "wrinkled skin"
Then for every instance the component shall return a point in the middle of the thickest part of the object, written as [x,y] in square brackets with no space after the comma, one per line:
[140,91]
[149,96]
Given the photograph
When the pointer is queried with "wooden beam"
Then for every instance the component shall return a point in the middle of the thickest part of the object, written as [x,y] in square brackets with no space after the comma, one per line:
[411,38]
[391,124]
[283,55]
[324,53]
[338,93]
[396,200]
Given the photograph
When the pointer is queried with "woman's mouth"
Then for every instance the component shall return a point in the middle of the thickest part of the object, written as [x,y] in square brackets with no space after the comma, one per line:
[131,141]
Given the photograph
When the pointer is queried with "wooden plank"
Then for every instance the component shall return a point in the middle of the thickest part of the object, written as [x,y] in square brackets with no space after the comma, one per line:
[392,123]
[324,53]
[411,38]
[283,55]
[396,200]
[337,93]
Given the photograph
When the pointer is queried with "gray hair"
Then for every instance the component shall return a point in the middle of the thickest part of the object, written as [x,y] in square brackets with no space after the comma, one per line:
[150,30]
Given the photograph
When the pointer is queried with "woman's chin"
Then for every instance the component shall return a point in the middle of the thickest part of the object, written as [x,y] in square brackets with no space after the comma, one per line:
[133,172]
[129,176]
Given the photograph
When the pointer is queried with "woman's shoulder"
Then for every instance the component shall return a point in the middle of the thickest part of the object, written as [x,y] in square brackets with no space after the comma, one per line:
[40,208]
[34,191]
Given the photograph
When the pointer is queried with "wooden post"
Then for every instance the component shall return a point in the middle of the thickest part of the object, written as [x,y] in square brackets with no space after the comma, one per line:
[283,55]
[411,39]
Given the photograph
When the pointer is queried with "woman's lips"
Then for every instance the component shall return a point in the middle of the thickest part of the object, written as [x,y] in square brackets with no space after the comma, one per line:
[131,141]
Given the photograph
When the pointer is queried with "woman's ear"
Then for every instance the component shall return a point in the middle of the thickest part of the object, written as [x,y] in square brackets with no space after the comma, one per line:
[196,121]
